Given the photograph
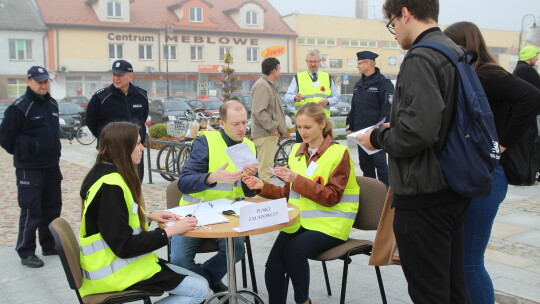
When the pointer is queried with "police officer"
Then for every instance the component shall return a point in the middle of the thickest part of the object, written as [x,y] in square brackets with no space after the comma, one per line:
[30,131]
[371,102]
[121,101]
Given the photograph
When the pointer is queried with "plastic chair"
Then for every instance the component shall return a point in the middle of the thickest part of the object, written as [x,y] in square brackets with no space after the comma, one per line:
[372,196]
[173,196]
[68,249]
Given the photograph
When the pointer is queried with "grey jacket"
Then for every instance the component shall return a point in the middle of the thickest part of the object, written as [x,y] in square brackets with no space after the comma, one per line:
[266,110]
[420,116]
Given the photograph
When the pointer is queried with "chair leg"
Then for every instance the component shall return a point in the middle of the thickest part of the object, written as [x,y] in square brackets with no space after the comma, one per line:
[251,265]
[326,279]
[381,286]
[169,250]
[244,273]
[344,280]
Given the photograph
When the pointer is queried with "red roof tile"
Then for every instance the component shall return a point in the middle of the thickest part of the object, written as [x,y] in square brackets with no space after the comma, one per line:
[152,14]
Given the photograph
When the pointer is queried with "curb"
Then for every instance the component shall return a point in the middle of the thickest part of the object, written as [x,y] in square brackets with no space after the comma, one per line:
[504,298]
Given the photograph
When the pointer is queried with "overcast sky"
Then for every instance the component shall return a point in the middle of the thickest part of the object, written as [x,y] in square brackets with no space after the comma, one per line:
[492,14]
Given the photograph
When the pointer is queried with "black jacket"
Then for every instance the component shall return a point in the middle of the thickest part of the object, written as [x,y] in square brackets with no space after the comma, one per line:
[31,131]
[526,72]
[110,104]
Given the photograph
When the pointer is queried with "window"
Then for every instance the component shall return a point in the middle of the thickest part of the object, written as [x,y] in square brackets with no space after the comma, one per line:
[336,63]
[251,18]
[195,14]
[222,51]
[317,41]
[116,51]
[169,52]
[114,9]
[252,53]
[196,53]
[390,45]
[359,43]
[145,51]
[20,49]
[15,87]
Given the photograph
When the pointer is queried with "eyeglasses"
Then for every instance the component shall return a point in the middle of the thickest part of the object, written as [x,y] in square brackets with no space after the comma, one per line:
[313,62]
[389,25]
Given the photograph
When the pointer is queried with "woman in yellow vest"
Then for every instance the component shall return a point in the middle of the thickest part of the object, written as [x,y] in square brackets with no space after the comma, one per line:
[117,250]
[320,181]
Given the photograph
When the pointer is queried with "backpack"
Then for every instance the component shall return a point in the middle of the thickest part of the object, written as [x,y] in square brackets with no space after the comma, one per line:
[470,152]
[520,162]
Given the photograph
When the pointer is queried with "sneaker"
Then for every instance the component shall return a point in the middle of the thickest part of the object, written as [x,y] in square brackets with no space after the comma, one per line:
[32,261]
[219,287]
[50,252]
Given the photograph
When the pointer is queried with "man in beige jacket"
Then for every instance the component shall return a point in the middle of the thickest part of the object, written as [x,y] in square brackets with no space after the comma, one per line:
[267,116]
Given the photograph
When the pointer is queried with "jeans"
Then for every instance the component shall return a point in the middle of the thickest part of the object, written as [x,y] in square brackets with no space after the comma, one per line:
[478,223]
[368,164]
[184,249]
[290,254]
[192,290]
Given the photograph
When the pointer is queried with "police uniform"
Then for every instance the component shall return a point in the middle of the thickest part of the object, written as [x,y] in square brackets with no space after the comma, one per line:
[371,102]
[110,104]
[30,132]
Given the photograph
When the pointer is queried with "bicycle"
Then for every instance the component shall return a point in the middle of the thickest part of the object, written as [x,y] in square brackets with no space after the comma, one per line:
[83,135]
[281,158]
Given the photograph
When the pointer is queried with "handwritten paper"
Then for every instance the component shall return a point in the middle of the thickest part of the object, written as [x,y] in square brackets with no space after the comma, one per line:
[352,136]
[241,156]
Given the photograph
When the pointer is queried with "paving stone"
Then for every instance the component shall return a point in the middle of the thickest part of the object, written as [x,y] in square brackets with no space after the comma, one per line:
[530,237]
[525,291]
[508,259]
[504,230]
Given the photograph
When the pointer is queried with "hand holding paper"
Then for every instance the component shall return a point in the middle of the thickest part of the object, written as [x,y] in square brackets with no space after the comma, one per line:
[182,226]
[241,155]
[362,138]
[224,176]
[253,182]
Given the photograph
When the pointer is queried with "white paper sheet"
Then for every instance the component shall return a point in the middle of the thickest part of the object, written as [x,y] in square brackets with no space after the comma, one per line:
[352,137]
[208,213]
[241,156]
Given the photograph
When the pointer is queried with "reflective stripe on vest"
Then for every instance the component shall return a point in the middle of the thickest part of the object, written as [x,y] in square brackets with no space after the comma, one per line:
[313,93]
[335,221]
[216,158]
[100,244]
[109,270]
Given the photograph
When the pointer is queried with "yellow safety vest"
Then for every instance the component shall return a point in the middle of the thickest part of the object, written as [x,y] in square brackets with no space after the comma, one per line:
[217,157]
[311,92]
[102,270]
[335,221]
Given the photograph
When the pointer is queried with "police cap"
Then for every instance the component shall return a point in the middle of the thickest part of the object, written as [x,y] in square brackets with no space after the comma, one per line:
[121,67]
[366,55]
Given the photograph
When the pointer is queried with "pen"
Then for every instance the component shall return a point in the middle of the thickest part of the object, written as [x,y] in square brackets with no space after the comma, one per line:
[237,199]
[198,205]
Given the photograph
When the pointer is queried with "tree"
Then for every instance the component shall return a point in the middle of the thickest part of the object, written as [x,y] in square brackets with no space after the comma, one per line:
[228,78]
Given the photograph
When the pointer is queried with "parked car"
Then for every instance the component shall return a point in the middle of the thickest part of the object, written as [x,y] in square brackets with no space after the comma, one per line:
[346,98]
[246,100]
[340,109]
[162,111]
[82,101]
[209,97]
[68,113]
[210,107]
[2,110]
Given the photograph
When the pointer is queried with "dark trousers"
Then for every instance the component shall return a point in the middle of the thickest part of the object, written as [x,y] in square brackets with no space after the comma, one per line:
[299,138]
[430,244]
[40,200]
[290,254]
[368,164]
[141,168]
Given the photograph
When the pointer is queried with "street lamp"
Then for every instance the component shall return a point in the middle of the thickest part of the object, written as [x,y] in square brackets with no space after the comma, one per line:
[522,25]
[167,29]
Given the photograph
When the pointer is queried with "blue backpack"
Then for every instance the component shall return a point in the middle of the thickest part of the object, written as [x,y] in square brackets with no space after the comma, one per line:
[470,152]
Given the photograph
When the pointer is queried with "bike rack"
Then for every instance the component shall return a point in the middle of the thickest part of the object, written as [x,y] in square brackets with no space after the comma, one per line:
[149,162]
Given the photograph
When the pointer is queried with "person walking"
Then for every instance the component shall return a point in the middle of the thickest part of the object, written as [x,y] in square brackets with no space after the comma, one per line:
[210,174]
[528,57]
[429,215]
[121,101]
[30,132]
[327,199]
[267,116]
[370,104]
[312,85]
[515,104]
[117,249]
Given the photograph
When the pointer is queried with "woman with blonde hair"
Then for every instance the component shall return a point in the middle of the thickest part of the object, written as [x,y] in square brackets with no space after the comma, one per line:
[515,104]
[321,182]
[117,250]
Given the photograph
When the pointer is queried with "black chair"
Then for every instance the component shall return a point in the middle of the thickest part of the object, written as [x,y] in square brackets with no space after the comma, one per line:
[173,196]
[68,249]
[372,196]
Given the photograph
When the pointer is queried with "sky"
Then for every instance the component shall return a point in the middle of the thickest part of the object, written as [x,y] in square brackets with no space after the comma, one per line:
[489,14]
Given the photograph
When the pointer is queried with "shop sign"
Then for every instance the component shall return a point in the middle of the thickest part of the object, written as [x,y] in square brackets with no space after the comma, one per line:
[273,51]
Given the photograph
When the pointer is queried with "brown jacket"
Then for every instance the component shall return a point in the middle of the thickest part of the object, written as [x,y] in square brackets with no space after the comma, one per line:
[266,111]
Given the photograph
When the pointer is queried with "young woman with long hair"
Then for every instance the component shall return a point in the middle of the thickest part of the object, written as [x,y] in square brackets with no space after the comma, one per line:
[117,250]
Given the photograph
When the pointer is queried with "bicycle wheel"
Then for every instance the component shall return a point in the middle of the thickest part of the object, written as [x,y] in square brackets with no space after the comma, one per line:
[84,136]
[161,162]
[182,157]
[282,154]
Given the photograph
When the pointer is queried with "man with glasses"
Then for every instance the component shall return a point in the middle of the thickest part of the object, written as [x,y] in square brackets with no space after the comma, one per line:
[31,132]
[429,215]
[370,104]
[312,86]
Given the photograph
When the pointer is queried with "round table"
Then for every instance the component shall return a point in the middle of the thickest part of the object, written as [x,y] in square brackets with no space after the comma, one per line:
[225,230]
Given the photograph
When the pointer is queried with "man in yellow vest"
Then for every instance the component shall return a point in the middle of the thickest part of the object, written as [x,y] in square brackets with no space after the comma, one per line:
[312,86]
[210,174]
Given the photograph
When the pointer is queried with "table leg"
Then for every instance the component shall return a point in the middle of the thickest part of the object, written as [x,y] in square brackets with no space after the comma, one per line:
[233,294]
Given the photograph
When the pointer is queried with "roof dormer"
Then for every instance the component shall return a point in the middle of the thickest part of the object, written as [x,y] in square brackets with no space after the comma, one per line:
[248,15]
[193,12]
[111,10]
